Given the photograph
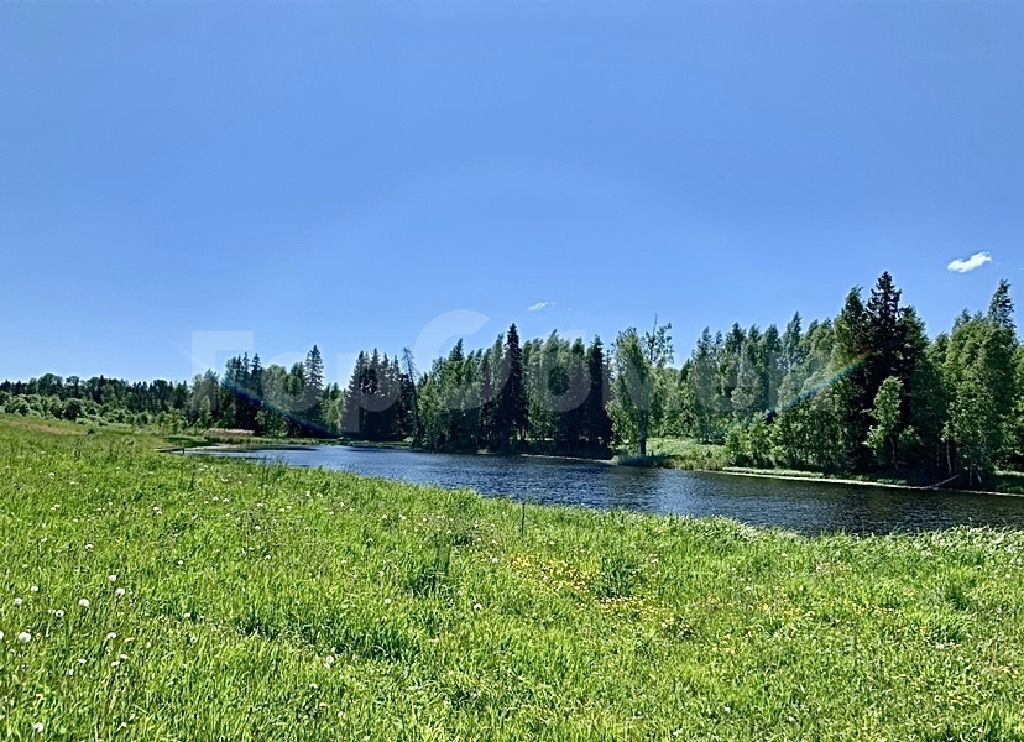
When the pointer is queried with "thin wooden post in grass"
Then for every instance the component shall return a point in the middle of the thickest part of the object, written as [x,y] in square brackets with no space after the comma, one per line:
[522,521]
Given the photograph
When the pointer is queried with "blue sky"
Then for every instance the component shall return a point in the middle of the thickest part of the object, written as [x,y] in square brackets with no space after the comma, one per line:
[351,174]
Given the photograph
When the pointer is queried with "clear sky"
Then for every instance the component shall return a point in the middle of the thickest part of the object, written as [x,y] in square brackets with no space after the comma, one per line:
[349,173]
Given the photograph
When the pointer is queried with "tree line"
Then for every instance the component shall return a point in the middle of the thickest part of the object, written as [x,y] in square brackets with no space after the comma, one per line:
[550,393]
[865,391]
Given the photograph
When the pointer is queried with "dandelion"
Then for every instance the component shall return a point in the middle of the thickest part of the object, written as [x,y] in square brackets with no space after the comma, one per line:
[37,727]
[119,592]
[180,562]
[112,578]
[59,613]
[24,637]
[111,635]
[477,606]
[88,546]
[17,601]
[1,635]
[81,661]
[387,601]
[34,589]
[83,603]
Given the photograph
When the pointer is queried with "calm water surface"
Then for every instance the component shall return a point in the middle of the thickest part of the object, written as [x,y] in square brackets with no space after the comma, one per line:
[808,507]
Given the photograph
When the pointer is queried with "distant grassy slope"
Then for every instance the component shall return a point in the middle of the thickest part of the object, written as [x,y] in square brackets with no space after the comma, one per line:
[677,453]
[272,603]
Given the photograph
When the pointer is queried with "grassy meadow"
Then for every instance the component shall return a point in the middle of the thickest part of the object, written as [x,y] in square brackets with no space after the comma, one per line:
[154,597]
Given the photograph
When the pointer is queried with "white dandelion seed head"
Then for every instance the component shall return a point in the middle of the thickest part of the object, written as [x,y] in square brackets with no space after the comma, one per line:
[17,601]
[59,613]
[119,592]
[24,637]
[112,578]
[83,603]
[111,635]
[34,589]
[37,727]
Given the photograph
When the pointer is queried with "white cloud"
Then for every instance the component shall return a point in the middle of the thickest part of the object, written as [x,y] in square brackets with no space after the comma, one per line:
[965,266]
[540,305]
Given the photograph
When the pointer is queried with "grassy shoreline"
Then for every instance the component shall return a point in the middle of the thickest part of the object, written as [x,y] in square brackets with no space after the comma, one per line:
[268,602]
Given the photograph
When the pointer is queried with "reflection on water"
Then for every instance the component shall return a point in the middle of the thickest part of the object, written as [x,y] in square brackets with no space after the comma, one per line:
[808,507]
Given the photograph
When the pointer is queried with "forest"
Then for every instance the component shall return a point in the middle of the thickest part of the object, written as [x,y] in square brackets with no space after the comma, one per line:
[864,392]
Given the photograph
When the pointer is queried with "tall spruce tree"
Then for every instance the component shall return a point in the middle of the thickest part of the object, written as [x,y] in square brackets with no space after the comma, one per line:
[353,420]
[852,349]
[410,398]
[312,392]
[597,424]
[511,411]
[998,350]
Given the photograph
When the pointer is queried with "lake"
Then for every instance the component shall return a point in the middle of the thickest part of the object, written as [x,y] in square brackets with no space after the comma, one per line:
[806,507]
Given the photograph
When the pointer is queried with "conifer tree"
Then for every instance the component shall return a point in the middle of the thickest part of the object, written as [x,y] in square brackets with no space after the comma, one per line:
[998,348]
[410,398]
[572,420]
[256,391]
[511,412]
[353,422]
[597,424]
[852,347]
[312,392]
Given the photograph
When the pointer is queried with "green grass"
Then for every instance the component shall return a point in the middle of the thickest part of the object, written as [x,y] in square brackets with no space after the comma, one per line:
[263,602]
[677,453]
